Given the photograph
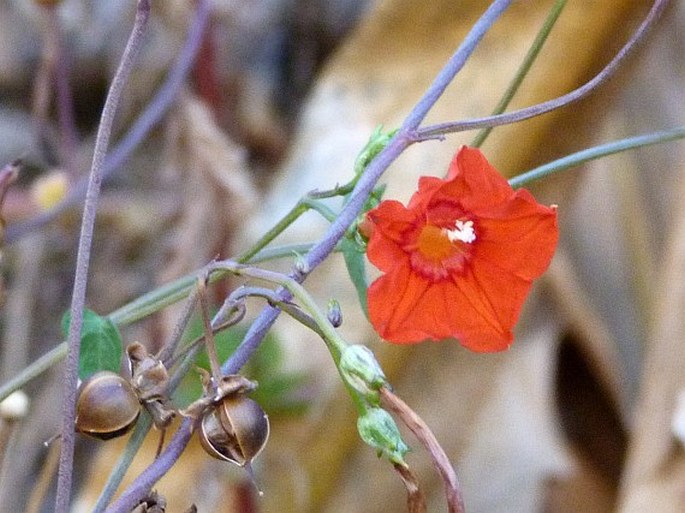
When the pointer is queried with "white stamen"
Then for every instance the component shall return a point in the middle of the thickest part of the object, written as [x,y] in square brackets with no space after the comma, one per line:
[464,232]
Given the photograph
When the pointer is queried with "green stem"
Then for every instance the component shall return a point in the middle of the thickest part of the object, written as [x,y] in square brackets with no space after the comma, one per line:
[580,157]
[523,69]
[179,289]
[309,202]
[35,369]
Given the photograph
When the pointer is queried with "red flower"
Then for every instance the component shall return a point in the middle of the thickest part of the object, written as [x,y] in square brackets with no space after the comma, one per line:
[459,260]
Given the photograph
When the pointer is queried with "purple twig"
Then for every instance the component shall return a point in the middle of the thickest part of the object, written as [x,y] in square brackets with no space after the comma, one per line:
[83,256]
[430,132]
[152,114]
[130,498]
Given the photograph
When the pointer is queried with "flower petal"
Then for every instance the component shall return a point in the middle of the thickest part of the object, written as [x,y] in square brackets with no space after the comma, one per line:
[519,237]
[489,302]
[474,182]
[428,186]
[404,309]
[391,221]
[395,303]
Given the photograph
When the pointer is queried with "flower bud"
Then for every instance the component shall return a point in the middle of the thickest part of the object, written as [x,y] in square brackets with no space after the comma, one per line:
[301,266]
[334,313]
[362,372]
[378,429]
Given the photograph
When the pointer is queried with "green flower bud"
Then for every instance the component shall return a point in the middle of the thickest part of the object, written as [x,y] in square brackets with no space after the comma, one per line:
[362,372]
[378,429]
[334,313]
[377,142]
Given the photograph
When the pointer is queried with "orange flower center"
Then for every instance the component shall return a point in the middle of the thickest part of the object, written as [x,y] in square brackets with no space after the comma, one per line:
[434,245]
[438,251]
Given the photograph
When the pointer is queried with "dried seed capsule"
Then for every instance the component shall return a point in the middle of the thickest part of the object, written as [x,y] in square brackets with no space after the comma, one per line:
[235,429]
[107,406]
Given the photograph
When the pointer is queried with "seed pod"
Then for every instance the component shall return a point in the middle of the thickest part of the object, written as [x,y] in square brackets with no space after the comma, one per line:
[235,429]
[107,406]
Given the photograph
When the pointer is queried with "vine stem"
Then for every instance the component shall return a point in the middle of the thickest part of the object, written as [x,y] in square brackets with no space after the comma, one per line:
[433,131]
[390,401]
[523,68]
[83,257]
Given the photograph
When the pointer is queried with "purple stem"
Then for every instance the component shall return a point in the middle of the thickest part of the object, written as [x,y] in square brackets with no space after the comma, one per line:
[430,132]
[130,498]
[152,114]
[142,484]
[83,256]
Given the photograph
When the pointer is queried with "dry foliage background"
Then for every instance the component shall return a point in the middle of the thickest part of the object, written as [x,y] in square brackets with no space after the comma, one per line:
[577,416]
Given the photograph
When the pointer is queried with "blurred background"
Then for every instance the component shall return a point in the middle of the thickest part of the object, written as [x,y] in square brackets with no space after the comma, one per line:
[582,414]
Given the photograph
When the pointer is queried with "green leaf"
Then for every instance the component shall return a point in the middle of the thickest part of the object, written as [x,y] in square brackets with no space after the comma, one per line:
[101,344]
[356,268]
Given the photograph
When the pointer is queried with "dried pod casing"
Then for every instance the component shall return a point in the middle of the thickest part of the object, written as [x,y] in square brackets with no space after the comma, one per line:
[107,406]
[235,429]
[149,376]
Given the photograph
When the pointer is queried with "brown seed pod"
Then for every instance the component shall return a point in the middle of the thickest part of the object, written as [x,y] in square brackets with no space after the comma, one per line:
[107,406]
[235,429]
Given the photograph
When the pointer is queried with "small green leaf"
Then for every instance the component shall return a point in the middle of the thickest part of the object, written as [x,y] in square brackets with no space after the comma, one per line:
[356,268]
[377,142]
[101,344]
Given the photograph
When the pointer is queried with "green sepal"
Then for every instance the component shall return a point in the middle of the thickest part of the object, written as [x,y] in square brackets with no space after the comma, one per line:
[353,248]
